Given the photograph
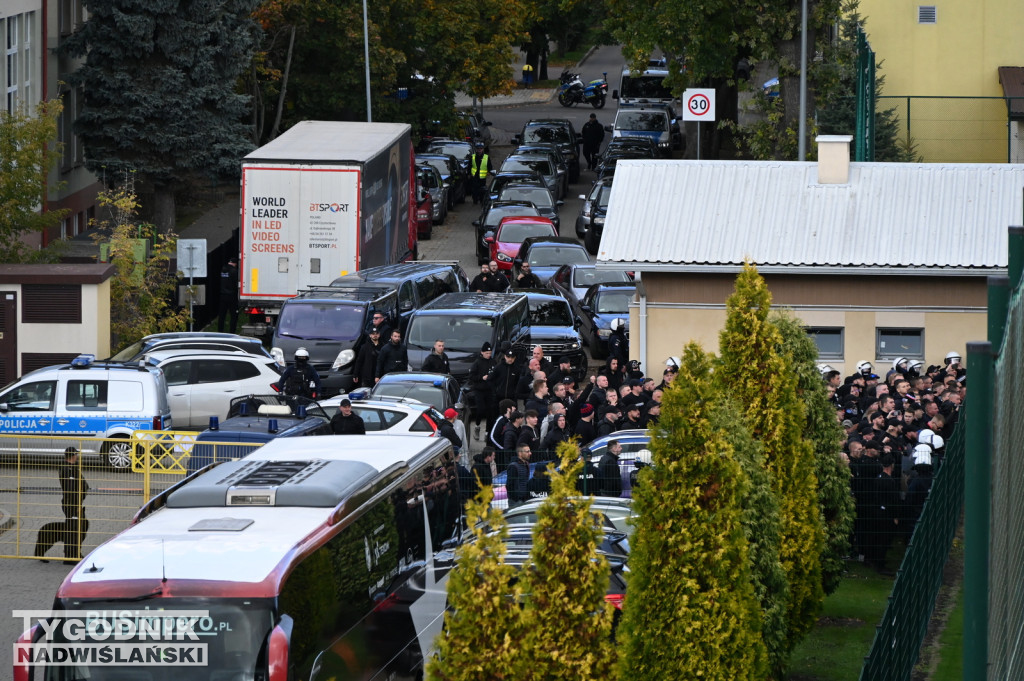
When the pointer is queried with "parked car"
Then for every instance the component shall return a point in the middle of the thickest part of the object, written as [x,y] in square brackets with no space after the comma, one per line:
[440,391]
[592,214]
[541,165]
[388,415]
[550,149]
[616,511]
[476,128]
[491,216]
[541,197]
[190,340]
[452,174]
[610,160]
[571,281]
[647,147]
[254,420]
[507,239]
[431,180]
[202,384]
[561,132]
[555,328]
[68,405]
[600,305]
[646,122]
[521,177]
[546,254]
[457,148]
[632,441]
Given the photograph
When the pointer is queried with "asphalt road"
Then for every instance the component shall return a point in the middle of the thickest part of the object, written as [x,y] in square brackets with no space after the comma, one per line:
[28,584]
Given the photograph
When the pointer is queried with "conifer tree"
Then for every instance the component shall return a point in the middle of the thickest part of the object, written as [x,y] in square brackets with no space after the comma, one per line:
[480,640]
[566,619]
[690,611]
[759,378]
[826,436]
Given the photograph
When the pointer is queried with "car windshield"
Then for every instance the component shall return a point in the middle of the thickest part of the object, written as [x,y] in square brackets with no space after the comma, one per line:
[421,392]
[614,302]
[516,233]
[456,149]
[553,256]
[326,321]
[539,166]
[585,277]
[650,86]
[495,215]
[538,196]
[429,180]
[546,133]
[644,121]
[438,163]
[603,195]
[550,313]
[460,333]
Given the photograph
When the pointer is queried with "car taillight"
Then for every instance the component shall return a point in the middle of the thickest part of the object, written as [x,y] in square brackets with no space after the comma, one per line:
[158,423]
[275,387]
[616,600]
[422,214]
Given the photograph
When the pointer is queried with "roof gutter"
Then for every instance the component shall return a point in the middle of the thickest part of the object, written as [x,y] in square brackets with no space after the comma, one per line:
[892,271]
[641,291]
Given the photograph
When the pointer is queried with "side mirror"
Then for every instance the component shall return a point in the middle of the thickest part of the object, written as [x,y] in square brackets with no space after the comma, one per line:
[559,203]
[476,223]
[485,123]
[608,128]
[577,323]
[405,306]
[518,262]
[615,94]
[489,238]
[585,308]
[516,138]
[583,197]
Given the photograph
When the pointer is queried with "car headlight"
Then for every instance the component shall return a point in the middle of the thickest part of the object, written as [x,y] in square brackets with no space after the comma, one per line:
[344,357]
[604,333]
[504,258]
[577,344]
[663,145]
[598,221]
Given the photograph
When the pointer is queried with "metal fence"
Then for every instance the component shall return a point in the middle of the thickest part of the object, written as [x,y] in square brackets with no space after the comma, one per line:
[31,512]
[959,129]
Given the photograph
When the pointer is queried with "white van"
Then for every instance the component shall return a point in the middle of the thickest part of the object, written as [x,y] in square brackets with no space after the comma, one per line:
[66,405]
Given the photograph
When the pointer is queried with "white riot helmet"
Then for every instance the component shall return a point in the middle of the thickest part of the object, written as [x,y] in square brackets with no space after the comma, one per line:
[643,456]
[824,369]
[899,364]
[927,437]
[302,354]
[922,455]
[916,365]
[617,323]
[953,357]
[937,441]
[673,363]
[864,367]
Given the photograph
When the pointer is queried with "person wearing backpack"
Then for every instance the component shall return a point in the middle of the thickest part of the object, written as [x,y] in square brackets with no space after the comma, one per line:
[300,379]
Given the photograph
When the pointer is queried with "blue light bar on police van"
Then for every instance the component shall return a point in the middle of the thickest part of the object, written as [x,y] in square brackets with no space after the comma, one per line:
[358,395]
[83,361]
[438,382]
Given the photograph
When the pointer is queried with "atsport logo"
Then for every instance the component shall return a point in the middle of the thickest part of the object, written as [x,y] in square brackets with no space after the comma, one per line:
[328,207]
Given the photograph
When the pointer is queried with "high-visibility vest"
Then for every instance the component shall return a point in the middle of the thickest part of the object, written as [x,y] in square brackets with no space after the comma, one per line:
[480,172]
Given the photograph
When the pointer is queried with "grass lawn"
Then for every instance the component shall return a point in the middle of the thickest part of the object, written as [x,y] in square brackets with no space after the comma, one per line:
[951,644]
[835,649]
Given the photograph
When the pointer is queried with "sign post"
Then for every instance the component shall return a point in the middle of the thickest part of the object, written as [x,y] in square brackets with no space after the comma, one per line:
[699,105]
[192,261]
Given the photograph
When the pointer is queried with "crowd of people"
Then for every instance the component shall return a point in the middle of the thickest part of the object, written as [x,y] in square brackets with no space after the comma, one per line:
[896,430]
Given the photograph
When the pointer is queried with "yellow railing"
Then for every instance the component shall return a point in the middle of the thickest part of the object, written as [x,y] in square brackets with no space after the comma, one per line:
[121,474]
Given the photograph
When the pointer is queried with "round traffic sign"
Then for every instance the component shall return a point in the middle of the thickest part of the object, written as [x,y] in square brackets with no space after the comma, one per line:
[698,105]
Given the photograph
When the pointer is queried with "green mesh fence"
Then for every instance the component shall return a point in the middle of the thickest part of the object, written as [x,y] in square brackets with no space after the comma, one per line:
[898,638]
[1006,530]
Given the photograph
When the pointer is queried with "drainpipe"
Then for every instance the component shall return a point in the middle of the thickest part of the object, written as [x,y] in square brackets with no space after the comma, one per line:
[641,291]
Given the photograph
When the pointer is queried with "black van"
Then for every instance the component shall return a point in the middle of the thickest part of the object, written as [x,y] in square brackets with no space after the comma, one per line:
[464,321]
[331,322]
[417,283]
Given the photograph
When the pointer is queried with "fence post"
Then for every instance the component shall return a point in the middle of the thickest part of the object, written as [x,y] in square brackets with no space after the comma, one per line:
[998,302]
[1016,255]
[976,509]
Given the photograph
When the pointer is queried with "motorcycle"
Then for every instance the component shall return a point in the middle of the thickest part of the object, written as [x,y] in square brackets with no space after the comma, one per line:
[573,90]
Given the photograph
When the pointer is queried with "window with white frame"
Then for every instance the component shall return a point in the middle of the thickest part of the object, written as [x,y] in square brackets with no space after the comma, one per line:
[891,343]
[828,340]
[18,33]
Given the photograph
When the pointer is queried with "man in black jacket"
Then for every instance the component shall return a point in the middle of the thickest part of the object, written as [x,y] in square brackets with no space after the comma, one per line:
[481,390]
[365,368]
[519,477]
[609,417]
[447,428]
[593,134]
[609,475]
[526,278]
[347,423]
[437,361]
[228,303]
[393,356]
[73,489]
[505,377]
[584,428]
[482,282]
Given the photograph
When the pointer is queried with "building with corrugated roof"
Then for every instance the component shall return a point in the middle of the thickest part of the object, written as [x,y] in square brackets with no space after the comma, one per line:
[879,260]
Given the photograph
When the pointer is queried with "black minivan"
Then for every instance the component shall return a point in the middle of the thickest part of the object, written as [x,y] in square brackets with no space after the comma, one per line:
[417,283]
[465,321]
[331,322]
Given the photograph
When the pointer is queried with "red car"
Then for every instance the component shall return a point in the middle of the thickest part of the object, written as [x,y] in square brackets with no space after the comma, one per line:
[510,234]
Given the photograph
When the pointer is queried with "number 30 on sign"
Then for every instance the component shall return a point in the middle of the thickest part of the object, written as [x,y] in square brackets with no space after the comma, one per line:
[699,104]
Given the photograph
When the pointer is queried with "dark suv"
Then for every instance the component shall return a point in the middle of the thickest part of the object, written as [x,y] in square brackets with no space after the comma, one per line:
[331,322]
[555,328]
[559,131]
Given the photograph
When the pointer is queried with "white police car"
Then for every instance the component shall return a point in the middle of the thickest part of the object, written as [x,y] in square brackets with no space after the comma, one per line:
[68,404]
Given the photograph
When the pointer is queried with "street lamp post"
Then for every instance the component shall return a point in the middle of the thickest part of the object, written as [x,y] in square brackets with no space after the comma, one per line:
[366,61]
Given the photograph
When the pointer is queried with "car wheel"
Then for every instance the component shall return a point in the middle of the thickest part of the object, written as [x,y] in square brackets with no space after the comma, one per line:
[574,173]
[591,242]
[117,454]
[428,235]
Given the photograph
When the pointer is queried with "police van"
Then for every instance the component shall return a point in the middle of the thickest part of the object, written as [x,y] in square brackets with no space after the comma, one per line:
[313,558]
[67,405]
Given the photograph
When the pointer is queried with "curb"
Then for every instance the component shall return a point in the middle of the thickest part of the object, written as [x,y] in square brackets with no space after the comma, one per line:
[551,97]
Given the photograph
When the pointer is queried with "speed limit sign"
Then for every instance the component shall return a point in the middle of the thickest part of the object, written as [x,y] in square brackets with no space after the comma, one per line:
[699,104]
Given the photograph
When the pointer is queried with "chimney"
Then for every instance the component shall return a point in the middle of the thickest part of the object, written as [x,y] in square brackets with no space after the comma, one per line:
[833,158]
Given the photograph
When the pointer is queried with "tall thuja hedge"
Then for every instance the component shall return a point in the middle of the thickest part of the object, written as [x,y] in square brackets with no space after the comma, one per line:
[690,611]
[759,377]
[762,527]
[481,636]
[567,622]
[826,436]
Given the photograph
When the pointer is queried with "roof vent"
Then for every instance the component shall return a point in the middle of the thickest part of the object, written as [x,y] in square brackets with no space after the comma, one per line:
[833,158]
[926,14]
